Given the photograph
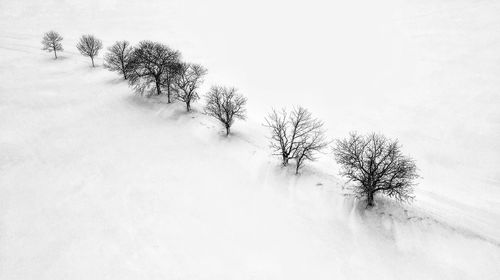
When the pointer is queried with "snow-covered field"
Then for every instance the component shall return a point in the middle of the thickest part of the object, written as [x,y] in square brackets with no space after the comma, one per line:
[97,183]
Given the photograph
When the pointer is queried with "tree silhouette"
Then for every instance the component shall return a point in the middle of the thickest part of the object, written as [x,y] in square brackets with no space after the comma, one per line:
[52,42]
[89,46]
[226,105]
[376,165]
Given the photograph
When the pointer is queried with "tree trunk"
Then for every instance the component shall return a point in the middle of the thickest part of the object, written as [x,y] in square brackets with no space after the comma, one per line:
[92,61]
[228,130]
[299,163]
[168,92]
[55,53]
[158,88]
[188,106]
[285,160]
[369,200]
[123,70]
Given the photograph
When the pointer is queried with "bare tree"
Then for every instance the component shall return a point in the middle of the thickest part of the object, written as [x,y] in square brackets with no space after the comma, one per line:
[375,164]
[172,69]
[118,58]
[226,105]
[295,135]
[151,65]
[52,42]
[188,81]
[310,144]
[89,46]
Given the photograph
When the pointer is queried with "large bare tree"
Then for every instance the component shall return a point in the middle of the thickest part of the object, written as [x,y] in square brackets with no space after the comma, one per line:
[226,105]
[118,58]
[188,81]
[52,42]
[89,46]
[151,65]
[376,165]
[295,135]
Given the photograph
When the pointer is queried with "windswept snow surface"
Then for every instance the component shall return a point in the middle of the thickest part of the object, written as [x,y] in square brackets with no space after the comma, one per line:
[97,183]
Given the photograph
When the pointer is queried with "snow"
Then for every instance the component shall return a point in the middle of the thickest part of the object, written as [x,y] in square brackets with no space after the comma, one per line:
[97,183]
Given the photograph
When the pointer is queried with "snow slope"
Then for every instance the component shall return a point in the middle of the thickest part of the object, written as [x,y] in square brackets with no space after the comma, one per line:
[96,183]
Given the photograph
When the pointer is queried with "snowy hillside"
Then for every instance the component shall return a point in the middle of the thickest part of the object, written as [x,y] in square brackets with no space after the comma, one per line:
[98,183]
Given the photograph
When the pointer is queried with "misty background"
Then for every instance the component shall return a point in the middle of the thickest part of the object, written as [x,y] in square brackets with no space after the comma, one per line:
[425,72]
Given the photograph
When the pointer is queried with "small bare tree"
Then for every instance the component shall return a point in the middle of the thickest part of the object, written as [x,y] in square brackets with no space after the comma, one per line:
[118,58]
[226,105]
[52,42]
[151,65]
[188,81]
[375,164]
[89,46]
[295,135]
